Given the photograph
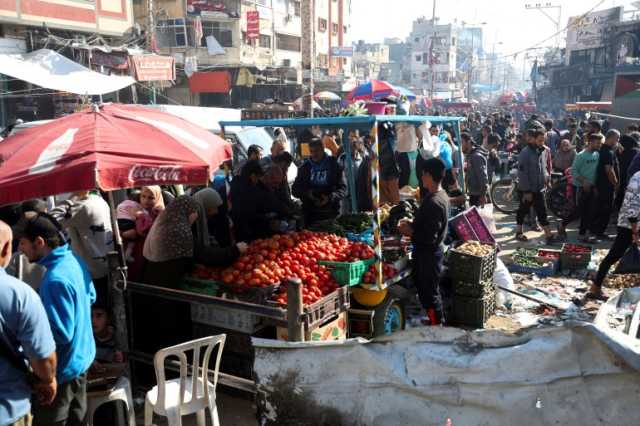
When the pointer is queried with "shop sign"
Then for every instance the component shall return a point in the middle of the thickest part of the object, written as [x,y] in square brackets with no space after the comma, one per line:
[154,68]
[143,175]
[253,24]
[588,31]
[116,61]
[342,52]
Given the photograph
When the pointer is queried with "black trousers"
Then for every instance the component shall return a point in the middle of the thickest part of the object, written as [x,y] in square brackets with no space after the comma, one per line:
[538,206]
[620,245]
[584,210]
[427,271]
[603,210]
[474,200]
[68,408]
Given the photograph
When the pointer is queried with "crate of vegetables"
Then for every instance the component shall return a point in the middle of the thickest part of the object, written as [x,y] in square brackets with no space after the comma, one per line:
[473,311]
[327,307]
[472,262]
[388,272]
[527,261]
[474,289]
[348,273]
[575,256]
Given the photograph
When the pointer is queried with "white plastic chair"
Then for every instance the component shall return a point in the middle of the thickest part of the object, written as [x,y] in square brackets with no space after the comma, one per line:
[121,391]
[187,394]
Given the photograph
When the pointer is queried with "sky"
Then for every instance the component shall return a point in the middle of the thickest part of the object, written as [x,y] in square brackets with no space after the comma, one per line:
[507,21]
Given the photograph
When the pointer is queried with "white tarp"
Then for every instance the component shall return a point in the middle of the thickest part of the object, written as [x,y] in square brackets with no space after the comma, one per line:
[48,69]
[566,375]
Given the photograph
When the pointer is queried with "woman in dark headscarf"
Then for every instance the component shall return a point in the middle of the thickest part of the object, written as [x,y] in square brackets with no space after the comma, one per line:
[630,148]
[169,247]
[207,250]
[168,253]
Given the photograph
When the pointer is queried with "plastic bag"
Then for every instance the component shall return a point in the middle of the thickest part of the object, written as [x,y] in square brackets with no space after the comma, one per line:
[406,138]
[630,262]
[502,277]
[486,213]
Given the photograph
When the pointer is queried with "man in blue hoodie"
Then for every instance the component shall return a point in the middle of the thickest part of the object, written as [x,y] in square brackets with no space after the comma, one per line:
[67,294]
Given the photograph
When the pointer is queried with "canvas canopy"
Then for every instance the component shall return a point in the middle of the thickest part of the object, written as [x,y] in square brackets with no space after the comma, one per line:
[48,69]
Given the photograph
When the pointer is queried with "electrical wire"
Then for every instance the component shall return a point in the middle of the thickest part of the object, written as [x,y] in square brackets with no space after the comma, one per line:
[584,15]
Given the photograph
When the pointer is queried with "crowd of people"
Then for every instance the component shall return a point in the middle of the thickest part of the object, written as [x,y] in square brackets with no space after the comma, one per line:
[600,163]
[60,321]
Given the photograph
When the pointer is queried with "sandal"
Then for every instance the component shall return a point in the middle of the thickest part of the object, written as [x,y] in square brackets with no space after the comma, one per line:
[521,237]
[562,232]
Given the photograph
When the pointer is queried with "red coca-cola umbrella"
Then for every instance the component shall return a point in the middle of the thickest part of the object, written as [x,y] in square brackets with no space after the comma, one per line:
[110,147]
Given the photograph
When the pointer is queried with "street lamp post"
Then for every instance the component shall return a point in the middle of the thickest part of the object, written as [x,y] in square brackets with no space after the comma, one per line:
[493,61]
[470,72]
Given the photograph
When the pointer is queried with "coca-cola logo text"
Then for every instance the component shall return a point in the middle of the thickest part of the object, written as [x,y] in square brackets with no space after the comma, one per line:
[150,174]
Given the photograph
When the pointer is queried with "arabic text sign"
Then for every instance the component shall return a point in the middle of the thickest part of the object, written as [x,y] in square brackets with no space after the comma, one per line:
[154,68]
[588,32]
[253,24]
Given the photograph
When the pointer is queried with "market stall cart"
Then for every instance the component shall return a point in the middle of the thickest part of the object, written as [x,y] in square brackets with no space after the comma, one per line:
[387,315]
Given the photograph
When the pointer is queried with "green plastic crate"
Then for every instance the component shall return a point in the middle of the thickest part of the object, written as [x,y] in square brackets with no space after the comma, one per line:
[348,273]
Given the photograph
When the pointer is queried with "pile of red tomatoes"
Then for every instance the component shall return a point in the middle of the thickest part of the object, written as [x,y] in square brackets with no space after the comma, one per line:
[293,255]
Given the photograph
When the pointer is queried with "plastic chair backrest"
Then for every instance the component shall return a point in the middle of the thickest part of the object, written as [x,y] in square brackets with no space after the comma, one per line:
[199,370]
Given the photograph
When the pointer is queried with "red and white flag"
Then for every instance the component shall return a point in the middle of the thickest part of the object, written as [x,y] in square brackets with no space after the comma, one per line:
[197,31]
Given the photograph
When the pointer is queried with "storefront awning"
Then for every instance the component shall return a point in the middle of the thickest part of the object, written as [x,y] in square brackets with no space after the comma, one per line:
[48,69]
[210,82]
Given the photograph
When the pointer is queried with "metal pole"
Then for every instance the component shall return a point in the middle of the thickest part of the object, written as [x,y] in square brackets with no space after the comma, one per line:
[151,23]
[470,77]
[351,178]
[295,309]
[118,275]
[433,39]
[460,159]
[493,64]
[375,193]
[308,53]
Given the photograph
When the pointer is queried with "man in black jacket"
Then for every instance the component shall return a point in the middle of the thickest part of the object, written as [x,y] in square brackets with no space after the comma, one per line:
[607,181]
[630,144]
[427,231]
[320,185]
[477,176]
[253,206]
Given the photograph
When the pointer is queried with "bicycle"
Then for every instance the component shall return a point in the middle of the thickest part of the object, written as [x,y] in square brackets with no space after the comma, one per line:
[505,196]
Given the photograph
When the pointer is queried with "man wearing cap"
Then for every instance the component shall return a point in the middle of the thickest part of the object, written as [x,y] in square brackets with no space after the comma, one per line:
[86,217]
[320,184]
[533,176]
[25,336]
[67,294]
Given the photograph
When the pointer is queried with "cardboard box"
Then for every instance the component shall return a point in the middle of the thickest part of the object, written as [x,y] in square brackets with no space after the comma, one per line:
[335,329]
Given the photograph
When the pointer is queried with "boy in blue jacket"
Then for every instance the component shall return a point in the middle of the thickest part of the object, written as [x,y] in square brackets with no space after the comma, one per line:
[67,294]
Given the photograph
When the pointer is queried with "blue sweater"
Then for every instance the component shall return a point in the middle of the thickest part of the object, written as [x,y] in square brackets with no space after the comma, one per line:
[67,294]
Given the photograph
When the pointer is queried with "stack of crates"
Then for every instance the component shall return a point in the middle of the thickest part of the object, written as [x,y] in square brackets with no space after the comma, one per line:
[475,293]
